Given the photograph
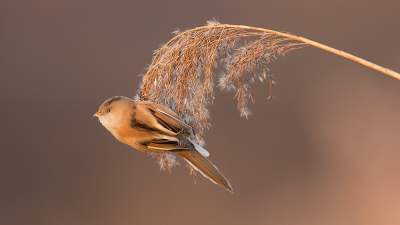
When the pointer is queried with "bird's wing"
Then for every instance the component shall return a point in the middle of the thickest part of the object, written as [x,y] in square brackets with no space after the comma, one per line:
[205,167]
[167,145]
[172,122]
[175,145]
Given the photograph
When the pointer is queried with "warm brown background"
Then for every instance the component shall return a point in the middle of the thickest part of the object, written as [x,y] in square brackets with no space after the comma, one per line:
[326,150]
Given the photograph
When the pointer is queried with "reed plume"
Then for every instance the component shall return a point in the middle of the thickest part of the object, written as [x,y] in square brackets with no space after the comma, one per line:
[182,75]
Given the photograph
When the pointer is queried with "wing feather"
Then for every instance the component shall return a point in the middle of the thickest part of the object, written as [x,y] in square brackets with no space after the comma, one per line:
[172,122]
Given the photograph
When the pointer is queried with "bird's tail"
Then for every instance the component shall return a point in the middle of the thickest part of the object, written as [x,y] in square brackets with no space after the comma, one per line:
[206,167]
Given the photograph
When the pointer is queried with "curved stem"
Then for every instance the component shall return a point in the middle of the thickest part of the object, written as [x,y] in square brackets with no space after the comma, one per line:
[307,41]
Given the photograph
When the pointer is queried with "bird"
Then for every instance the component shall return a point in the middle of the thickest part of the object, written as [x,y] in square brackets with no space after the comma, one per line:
[154,128]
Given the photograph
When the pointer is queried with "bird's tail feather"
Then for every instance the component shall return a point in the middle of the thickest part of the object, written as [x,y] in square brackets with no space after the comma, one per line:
[206,167]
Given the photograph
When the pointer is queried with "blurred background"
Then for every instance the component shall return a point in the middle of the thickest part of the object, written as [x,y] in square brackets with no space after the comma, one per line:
[326,150]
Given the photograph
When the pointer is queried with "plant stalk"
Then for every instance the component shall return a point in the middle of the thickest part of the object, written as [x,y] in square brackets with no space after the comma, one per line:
[309,42]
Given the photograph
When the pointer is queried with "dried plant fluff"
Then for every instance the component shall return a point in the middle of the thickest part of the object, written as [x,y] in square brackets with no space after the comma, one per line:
[182,73]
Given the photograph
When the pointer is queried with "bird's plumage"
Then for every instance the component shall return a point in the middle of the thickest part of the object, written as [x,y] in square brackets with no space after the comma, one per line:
[150,127]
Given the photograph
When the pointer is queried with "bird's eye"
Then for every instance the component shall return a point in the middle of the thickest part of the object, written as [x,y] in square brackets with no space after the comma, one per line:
[107,110]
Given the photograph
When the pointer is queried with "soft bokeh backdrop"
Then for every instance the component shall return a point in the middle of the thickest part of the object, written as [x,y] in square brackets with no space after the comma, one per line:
[326,150]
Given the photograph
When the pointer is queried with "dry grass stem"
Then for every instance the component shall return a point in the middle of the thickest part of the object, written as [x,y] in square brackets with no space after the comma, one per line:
[182,73]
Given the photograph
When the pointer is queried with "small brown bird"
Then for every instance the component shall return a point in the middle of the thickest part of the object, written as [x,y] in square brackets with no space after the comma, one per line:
[150,127]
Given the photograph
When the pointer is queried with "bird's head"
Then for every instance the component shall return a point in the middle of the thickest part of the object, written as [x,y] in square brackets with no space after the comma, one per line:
[113,111]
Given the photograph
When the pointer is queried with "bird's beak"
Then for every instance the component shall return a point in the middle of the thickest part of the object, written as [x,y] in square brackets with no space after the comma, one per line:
[98,114]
